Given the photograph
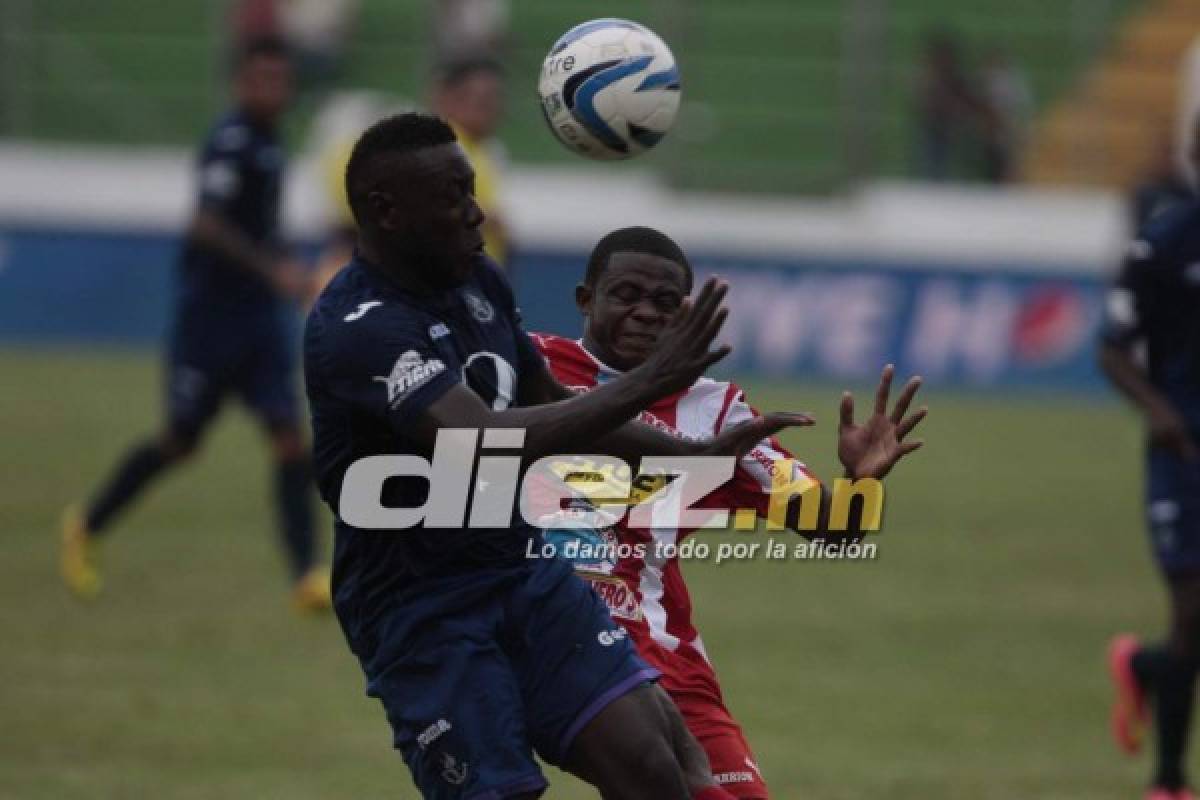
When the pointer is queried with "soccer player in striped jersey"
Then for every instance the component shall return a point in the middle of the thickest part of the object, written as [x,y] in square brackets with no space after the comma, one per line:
[637,278]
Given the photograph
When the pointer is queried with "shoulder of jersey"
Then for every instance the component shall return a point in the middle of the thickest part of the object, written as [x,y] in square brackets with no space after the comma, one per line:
[1173,229]
[563,349]
[713,397]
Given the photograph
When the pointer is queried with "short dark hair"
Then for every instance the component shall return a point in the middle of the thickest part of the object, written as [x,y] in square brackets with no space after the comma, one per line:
[451,73]
[392,136]
[260,47]
[637,239]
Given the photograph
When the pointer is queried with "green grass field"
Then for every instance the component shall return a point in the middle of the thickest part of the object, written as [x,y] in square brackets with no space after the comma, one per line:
[966,661]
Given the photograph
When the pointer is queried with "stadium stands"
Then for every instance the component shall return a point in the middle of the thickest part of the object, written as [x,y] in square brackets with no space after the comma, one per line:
[781,95]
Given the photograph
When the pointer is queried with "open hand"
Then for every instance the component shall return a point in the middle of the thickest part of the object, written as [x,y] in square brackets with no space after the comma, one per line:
[682,355]
[871,449]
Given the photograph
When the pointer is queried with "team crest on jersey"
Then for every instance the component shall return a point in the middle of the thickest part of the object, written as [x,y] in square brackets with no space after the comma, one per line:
[454,771]
[480,308]
[408,373]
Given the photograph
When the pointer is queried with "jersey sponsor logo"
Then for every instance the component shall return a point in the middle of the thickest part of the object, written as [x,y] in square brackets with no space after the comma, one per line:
[491,377]
[733,777]
[438,330]
[622,601]
[410,372]
[480,308]
[433,733]
[609,638]
[362,310]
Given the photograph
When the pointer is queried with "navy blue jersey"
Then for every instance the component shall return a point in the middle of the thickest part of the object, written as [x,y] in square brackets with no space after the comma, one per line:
[240,178]
[1156,299]
[377,355]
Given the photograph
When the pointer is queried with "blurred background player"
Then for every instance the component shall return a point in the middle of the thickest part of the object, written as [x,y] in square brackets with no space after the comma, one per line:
[469,94]
[1155,304]
[636,281]
[230,332]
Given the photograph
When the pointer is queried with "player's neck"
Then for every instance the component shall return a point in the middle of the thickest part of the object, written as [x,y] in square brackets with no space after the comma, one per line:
[392,268]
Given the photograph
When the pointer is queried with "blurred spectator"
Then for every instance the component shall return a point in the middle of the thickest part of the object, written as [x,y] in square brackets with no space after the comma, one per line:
[315,31]
[336,127]
[1010,102]
[470,29]
[469,94]
[254,19]
[953,115]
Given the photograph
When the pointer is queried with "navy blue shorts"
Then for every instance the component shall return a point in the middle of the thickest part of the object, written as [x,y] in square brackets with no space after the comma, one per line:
[209,358]
[1173,511]
[492,667]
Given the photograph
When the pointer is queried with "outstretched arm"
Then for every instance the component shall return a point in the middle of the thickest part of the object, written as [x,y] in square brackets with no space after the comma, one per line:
[599,420]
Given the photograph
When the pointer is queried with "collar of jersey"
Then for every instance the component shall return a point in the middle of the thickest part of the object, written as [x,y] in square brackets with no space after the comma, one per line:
[605,369]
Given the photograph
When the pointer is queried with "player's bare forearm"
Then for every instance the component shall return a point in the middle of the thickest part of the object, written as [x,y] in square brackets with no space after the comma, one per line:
[214,233]
[853,530]
[1167,428]
[1130,379]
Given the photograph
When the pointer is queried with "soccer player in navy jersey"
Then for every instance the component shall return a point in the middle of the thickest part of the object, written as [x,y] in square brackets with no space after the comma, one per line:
[231,333]
[481,656]
[1155,304]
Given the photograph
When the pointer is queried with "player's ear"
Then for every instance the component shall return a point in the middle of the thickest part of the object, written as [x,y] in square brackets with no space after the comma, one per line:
[583,299]
[383,209]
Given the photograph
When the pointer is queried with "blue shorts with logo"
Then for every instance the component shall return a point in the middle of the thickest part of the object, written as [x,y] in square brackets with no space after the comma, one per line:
[482,670]
[1173,511]
[210,356]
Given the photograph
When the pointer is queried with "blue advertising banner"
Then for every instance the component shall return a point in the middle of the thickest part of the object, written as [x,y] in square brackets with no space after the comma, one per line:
[1001,325]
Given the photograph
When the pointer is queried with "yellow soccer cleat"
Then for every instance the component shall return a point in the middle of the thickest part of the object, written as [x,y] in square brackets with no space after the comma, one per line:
[311,594]
[77,561]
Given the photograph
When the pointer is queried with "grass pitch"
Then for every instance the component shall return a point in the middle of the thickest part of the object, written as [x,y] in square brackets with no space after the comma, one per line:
[966,661]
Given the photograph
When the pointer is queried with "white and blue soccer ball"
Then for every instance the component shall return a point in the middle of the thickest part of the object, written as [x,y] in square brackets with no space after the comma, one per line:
[609,89]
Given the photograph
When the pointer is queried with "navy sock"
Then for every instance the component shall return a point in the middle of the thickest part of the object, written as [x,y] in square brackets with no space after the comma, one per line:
[293,488]
[141,465]
[1171,682]
[1148,663]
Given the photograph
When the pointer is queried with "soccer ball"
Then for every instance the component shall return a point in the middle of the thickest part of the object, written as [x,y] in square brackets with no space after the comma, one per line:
[609,89]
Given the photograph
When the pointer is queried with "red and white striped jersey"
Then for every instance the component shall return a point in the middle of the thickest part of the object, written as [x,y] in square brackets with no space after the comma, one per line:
[647,594]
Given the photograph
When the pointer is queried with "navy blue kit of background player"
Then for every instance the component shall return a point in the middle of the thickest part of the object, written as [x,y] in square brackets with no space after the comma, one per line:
[232,332]
[479,655]
[1155,305]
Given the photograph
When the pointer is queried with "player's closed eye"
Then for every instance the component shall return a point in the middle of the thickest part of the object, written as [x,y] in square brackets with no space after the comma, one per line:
[666,302]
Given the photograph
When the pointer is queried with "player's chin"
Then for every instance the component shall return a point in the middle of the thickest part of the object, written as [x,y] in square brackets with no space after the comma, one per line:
[633,352]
